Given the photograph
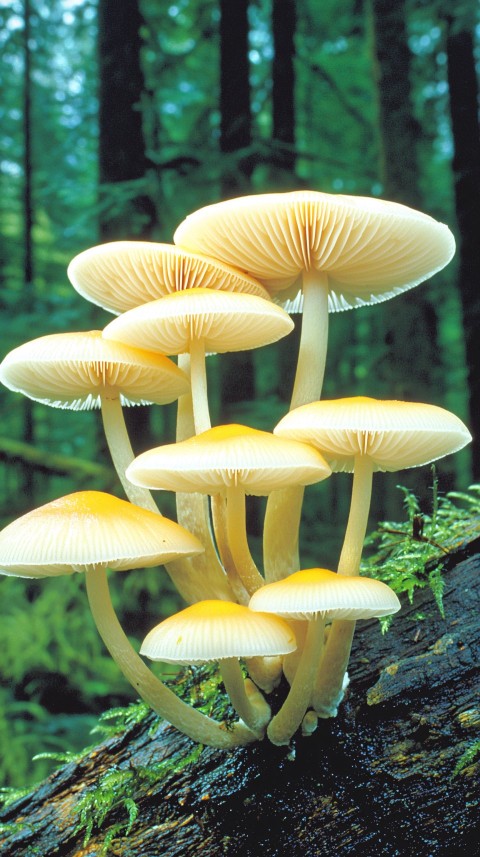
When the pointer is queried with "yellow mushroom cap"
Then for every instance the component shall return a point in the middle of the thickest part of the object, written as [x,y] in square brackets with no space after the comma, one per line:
[395,435]
[73,370]
[370,249]
[320,592]
[121,275]
[214,630]
[225,321]
[88,529]
[226,456]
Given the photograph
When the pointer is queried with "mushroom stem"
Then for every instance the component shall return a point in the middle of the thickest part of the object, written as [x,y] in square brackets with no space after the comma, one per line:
[280,533]
[121,451]
[198,375]
[208,578]
[164,702]
[287,721]
[349,562]
[282,518]
[246,699]
[181,571]
[237,541]
[312,354]
[328,690]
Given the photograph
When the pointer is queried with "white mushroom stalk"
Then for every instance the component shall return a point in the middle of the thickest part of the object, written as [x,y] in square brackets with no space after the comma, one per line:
[289,718]
[312,355]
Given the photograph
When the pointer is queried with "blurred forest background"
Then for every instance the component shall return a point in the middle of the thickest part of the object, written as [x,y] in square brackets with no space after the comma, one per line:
[118,118]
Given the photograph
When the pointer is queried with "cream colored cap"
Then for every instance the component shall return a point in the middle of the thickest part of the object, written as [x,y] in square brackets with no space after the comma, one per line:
[225,321]
[395,435]
[370,249]
[320,592]
[73,370]
[227,456]
[214,630]
[88,529]
[121,275]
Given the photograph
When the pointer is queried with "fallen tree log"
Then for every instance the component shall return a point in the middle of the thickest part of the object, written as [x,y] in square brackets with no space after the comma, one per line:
[383,778]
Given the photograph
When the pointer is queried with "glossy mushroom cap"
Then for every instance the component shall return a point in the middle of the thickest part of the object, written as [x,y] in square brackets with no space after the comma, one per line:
[82,531]
[215,630]
[226,456]
[225,321]
[73,370]
[370,249]
[121,275]
[395,435]
[320,592]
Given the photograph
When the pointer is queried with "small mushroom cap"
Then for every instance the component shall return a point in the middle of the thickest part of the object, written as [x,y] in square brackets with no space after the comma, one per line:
[320,592]
[73,370]
[121,275]
[214,630]
[395,435]
[82,531]
[225,321]
[371,249]
[227,456]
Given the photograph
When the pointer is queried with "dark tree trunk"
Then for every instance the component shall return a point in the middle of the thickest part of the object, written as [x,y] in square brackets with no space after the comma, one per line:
[235,110]
[377,780]
[27,487]
[236,370]
[126,210]
[464,106]
[407,372]
[283,90]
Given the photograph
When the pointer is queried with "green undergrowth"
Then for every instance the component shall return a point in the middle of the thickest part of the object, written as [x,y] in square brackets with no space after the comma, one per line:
[469,757]
[117,790]
[408,555]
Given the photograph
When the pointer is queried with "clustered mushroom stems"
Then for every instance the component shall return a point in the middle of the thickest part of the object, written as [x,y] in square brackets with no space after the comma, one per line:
[226,570]
[193,510]
[333,665]
[284,508]
[160,698]
[118,441]
[287,721]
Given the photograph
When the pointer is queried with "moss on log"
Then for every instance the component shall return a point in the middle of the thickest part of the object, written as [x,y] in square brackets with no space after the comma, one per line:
[377,780]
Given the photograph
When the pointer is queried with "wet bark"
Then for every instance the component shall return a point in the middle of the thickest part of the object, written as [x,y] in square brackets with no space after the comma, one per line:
[376,780]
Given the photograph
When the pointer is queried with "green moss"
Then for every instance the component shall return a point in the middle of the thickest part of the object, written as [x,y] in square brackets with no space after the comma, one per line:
[408,555]
[118,791]
[468,757]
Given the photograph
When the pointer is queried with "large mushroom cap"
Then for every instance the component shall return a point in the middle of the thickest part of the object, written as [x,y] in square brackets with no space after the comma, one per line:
[121,275]
[214,630]
[370,249]
[318,591]
[225,321]
[82,531]
[395,435]
[227,456]
[73,370]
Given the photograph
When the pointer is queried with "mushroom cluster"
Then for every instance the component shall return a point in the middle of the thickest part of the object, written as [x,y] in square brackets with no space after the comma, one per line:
[234,273]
